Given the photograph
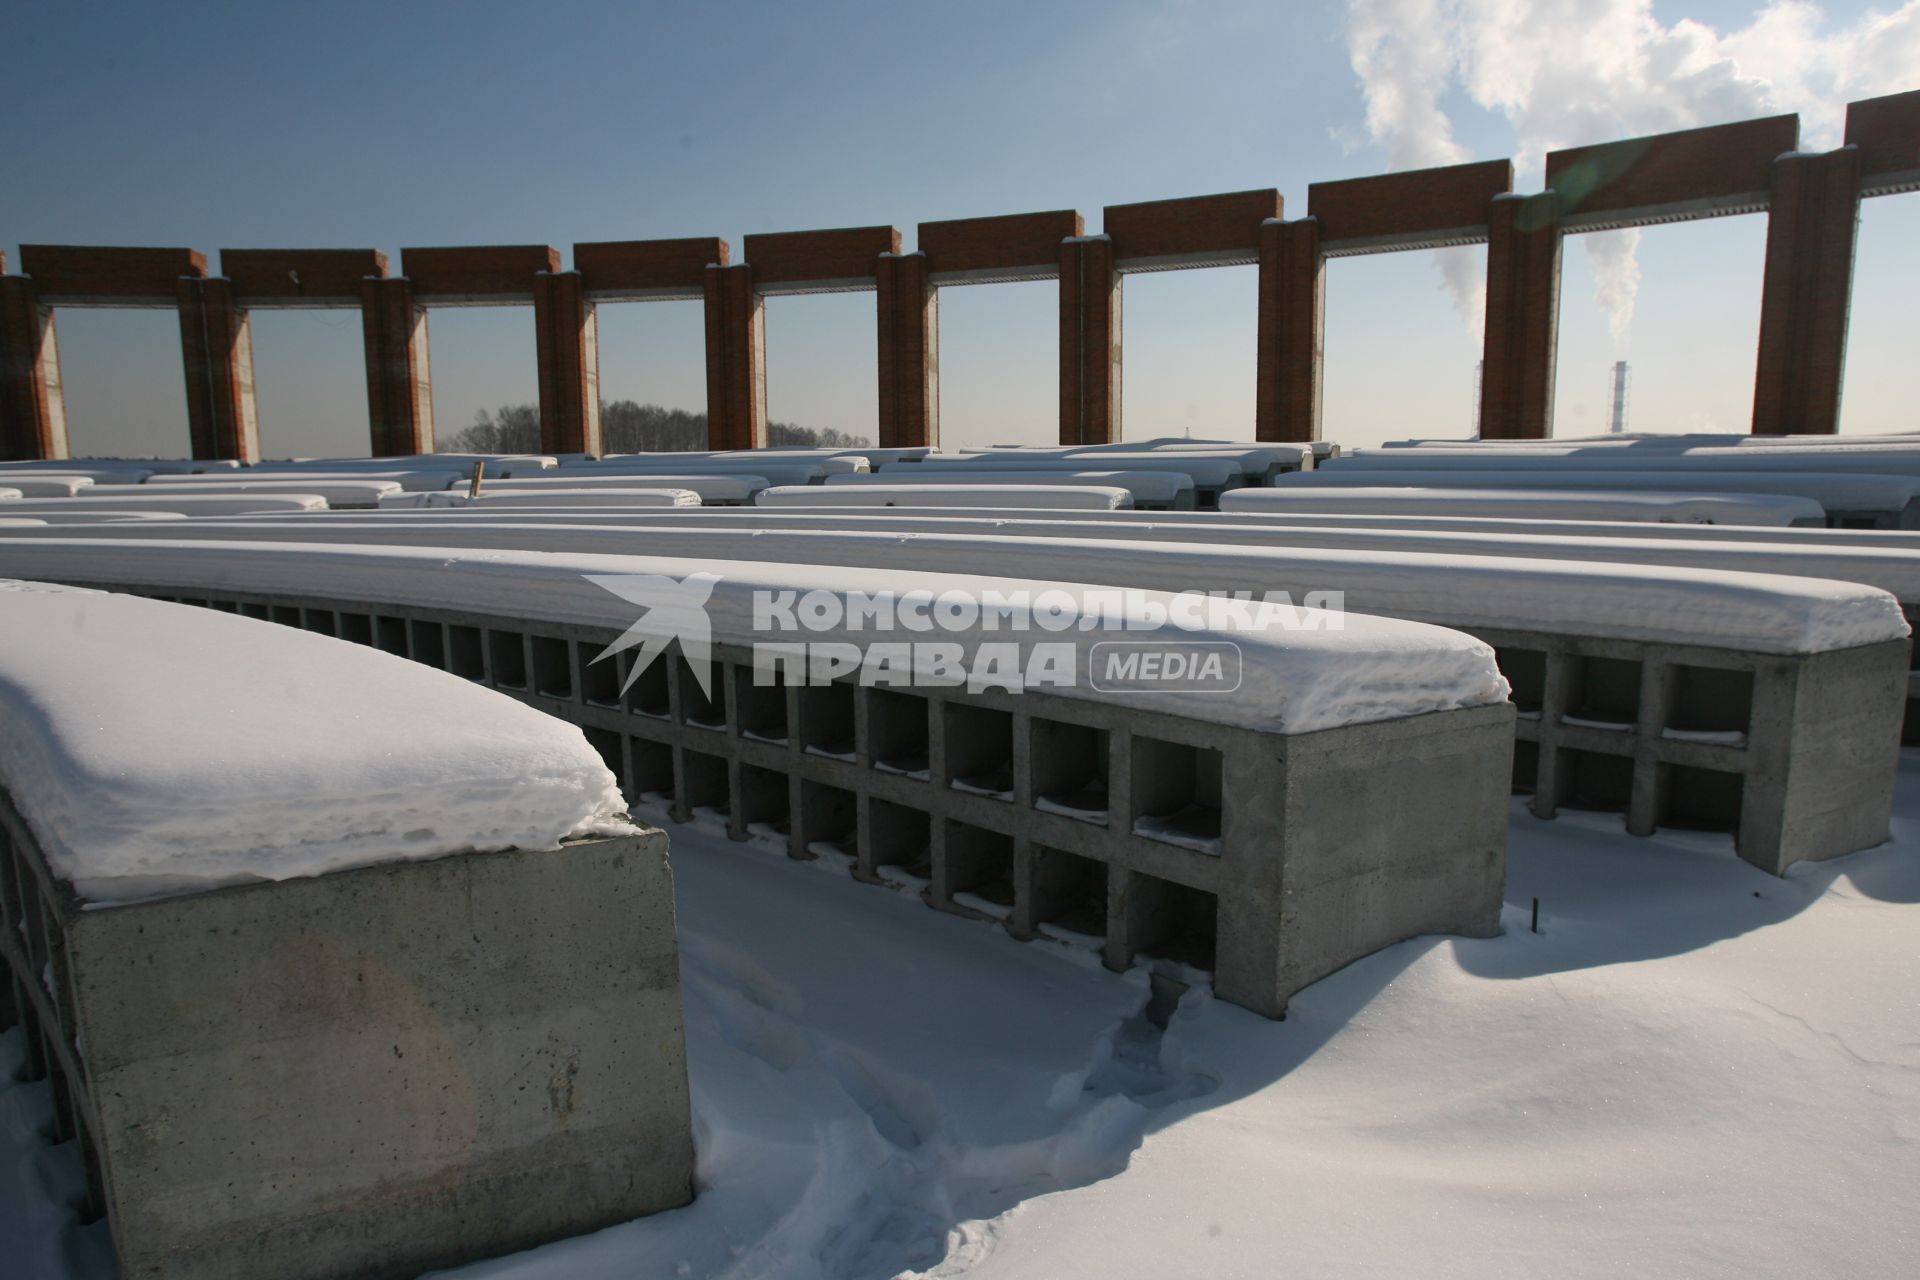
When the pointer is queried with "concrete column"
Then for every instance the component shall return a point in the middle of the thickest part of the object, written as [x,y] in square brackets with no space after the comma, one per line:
[1292,327]
[1523,318]
[1809,288]
[399,376]
[909,320]
[736,359]
[1089,342]
[216,342]
[33,413]
[569,351]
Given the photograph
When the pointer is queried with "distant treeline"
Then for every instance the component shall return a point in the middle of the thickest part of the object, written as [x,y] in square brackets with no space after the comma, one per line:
[625,427]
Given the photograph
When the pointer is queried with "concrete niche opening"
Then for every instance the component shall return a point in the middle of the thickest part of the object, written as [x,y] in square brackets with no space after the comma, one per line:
[826,720]
[763,799]
[1176,791]
[649,770]
[1070,769]
[763,703]
[1069,895]
[830,818]
[979,743]
[1171,921]
[900,842]
[979,868]
[897,732]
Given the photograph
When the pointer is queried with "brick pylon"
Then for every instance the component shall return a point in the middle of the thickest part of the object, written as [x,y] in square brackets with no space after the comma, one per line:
[1523,318]
[216,344]
[33,415]
[736,359]
[908,314]
[399,378]
[1292,322]
[1809,287]
[1090,299]
[568,347]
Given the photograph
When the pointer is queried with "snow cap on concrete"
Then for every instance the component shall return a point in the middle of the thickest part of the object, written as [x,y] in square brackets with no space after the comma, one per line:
[160,748]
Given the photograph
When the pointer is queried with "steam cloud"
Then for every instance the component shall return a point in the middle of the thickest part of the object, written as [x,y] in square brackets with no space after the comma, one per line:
[1568,72]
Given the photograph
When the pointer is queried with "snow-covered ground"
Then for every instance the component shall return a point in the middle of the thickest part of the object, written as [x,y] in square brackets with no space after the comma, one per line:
[1693,1070]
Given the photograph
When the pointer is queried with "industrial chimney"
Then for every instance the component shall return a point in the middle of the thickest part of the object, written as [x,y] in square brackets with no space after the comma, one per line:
[1617,419]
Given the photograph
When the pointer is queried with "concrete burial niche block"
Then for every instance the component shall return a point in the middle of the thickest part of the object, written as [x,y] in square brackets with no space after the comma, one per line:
[382,1071]
[1366,835]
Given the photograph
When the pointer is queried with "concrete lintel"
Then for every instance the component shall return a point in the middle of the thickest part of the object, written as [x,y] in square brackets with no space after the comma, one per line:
[1188,261]
[1443,238]
[996,275]
[797,288]
[1725,206]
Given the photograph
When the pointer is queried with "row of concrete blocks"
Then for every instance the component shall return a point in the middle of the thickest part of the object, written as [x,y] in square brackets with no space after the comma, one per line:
[1794,754]
[370,1073]
[1269,859]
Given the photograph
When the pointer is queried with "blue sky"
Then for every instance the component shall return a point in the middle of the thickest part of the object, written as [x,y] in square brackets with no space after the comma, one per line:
[430,123]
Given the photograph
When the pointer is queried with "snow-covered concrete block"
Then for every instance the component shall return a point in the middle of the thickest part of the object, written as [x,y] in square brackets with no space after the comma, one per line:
[326,992]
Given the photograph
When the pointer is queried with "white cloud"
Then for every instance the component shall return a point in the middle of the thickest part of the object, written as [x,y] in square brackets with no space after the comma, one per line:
[1568,72]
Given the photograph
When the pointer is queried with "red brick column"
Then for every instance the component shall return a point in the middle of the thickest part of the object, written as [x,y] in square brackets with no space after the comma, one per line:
[1809,288]
[569,352]
[736,359]
[216,344]
[399,376]
[1292,326]
[1089,342]
[33,414]
[909,320]
[1523,319]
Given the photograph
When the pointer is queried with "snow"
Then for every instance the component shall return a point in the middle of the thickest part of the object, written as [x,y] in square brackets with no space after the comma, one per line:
[983,496]
[730,487]
[1693,1070]
[158,748]
[1738,596]
[1293,680]
[1563,504]
[185,502]
[337,492]
[661,496]
[26,484]
[1145,486]
[1832,491]
[1202,469]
